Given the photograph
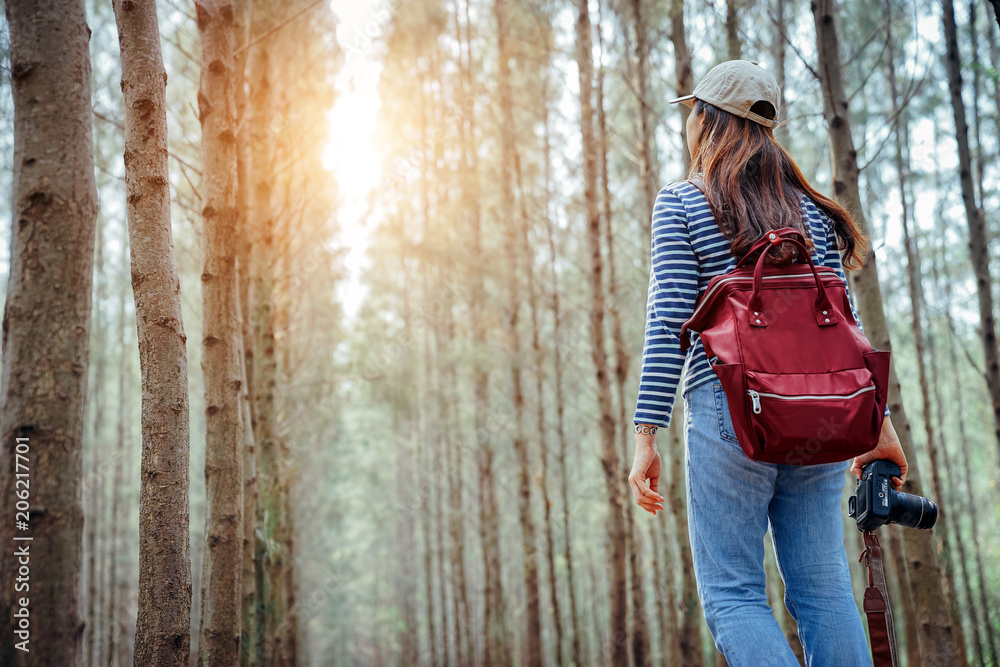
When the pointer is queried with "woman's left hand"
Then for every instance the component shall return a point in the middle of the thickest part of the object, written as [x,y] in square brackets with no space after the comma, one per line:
[646,466]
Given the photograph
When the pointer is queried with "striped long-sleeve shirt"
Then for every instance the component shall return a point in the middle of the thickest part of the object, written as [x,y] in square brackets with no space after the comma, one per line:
[688,250]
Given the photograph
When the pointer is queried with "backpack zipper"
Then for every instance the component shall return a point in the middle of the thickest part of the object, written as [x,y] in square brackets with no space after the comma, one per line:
[755,396]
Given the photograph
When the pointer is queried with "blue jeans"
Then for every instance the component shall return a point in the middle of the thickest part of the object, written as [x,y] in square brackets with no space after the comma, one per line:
[732,501]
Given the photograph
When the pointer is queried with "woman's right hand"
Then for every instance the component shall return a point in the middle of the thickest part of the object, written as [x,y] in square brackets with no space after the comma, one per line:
[646,466]
[888,448]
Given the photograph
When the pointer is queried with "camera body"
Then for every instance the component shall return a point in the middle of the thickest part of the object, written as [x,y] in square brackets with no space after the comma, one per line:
[876,503]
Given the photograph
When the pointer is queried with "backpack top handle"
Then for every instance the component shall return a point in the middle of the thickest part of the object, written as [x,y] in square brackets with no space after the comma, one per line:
[824,313]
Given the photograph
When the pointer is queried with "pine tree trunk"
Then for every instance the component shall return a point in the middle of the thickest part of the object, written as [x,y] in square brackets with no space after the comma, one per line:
[648,172]
[263,259]
[91,520]
[91,481]
[991,39]
[970,497]
[508,157]
[538,355]
[221,580]
[734,46]
[464,651]
[287,626]
[916,295]
[685,84]
[116,486]
[907,621]
[691,616]
[125,404]
[576,654]
[495,645]
[938,641]
[46,329]
[163,632]
[639,638]
[249,594]
[610,462]
[665,631]
[781,134]
[975,216]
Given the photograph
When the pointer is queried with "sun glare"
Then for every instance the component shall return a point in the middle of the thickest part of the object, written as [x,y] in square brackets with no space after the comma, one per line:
[351,154]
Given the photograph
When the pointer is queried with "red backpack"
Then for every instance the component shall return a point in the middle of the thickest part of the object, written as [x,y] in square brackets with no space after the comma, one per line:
[803,383]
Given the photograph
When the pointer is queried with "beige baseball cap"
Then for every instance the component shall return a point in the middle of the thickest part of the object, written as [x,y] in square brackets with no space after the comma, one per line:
[736,85]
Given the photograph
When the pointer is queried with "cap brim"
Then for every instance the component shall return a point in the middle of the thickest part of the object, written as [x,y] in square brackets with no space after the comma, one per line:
[687,100]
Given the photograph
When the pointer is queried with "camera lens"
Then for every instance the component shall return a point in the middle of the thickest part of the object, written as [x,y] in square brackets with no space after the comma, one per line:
[913,511]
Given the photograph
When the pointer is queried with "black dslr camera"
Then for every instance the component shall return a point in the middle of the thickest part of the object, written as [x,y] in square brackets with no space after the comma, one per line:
[876,503]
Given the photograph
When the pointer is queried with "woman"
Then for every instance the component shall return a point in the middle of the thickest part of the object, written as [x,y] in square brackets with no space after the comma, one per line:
[750,185]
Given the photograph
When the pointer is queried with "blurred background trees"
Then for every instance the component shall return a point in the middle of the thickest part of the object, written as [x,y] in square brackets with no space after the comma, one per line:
[412,245]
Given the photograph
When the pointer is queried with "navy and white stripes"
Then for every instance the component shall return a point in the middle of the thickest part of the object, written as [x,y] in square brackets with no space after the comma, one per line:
[688,250]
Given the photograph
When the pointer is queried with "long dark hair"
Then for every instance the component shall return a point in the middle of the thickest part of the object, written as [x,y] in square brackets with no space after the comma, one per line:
[753,186]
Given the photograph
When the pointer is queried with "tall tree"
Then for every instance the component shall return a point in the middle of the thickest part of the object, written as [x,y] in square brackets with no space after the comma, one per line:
[261,229]
[639,628]
[163,633]
[162,626]
[685,84]
[222,563]
[249,595]
[560,404]
[609,451]
[938,641]
[734,45]
[648,172]
[975,217]
[512,234]
[778,41]
[495,644]
[916,297]
[46,328]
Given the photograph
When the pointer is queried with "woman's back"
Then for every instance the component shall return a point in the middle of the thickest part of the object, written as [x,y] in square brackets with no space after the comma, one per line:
[688,250]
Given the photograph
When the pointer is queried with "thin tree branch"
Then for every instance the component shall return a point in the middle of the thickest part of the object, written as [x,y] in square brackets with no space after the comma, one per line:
[278,27]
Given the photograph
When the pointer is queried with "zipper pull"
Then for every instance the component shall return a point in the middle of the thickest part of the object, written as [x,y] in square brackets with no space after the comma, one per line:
[756,401]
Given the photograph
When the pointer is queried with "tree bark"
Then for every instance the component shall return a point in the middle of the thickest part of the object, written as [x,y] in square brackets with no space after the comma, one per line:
[916,294]
[609,451]
[538,354]
[121,455]
[734,46]
[576,652]
[639,637]
[163,633]
[495,645]
[975,216]
[90,488]
[689,606]
[648,173]
[781,134]
[508,157]
[249,593]
[222,586]
[46,327]
[464,651]
[685,84]
[963,447]
[938,641]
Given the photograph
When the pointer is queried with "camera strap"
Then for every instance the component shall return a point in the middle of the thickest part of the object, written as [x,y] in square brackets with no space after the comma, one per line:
[876,604]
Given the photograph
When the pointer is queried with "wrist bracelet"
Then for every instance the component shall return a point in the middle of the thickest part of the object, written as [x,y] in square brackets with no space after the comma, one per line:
[645,430]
